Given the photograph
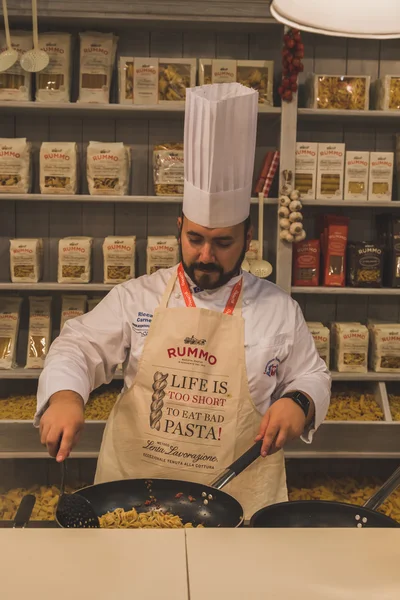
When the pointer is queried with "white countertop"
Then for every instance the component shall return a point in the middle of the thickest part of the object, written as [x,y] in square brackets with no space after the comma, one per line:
[202,564]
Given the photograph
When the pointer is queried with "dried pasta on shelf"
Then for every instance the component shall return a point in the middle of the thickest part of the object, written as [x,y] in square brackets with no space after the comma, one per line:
[365,261]
[53,84]
[26,258]
[59,168]
[162,253]
[387,92]
[394,403]
[175,75]
[258,75]
[71,307]
[385,347]
[350,405]
[119,258]
[75,260]
[145,81]
[125,79]
[338,92]
[350,346]
[15,83]
[39,336]
[10,309]
[108,167]
[15,166]
[168,169]
[97,55]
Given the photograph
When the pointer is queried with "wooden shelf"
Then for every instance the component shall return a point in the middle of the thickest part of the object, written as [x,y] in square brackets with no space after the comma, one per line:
[176,109]
[394,204]
[94,199]
[21,373]
[346,291]
[348,114]
[56,287]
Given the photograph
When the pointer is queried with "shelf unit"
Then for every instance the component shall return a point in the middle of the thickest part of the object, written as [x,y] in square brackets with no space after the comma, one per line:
[240,33]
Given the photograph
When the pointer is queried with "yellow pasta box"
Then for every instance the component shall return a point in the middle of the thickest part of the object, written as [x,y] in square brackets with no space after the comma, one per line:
[330,171]
[380,184]
[356,176]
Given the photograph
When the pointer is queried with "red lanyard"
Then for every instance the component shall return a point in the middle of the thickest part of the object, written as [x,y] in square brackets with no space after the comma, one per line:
[188,297]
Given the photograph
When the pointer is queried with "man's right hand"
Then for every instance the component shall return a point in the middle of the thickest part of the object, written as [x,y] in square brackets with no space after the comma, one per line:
[62,423]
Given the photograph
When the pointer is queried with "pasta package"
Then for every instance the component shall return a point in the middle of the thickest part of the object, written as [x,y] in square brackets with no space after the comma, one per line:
[388,228]
[39,337]
[385,347]
[205,71]
[53,84]
[321,336]
[97,55]
[58,168]
[333,246]
[15,166]
[15,83]
[108,168]
[162,253]
[71,307]
[125,79]
[119,259]
[381,176]
[258,75]
[75,260]
[168,169]
[175,75]
[388,92]
[306,263]
[338,92]
[330,171]
[10,309]
[145,81]
[356,176]
[305,179]
[26,257]
[365,262]
[350,347]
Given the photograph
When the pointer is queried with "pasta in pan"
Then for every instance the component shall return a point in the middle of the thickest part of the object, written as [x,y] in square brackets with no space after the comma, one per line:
[131,519]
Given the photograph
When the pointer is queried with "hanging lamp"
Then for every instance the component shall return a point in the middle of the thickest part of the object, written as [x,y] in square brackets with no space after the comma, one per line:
[379,19]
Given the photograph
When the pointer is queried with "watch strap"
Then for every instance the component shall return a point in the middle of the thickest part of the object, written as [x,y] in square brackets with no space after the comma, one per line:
[301,400]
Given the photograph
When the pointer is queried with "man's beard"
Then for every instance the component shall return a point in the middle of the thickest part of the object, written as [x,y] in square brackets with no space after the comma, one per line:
[204,281]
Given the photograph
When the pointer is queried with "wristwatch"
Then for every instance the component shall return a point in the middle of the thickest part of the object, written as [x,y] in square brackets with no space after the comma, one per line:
[301,400]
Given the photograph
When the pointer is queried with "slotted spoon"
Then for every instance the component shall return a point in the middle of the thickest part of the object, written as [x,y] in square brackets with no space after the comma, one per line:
[35,60]
[9,56]
[73,510]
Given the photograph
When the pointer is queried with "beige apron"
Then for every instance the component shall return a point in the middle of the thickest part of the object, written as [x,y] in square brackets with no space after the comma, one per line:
[189,414]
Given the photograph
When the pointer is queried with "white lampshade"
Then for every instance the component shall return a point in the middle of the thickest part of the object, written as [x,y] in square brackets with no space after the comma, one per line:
[378,19]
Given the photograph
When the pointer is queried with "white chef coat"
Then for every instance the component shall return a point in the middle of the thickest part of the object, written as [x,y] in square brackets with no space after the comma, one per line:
[280,351]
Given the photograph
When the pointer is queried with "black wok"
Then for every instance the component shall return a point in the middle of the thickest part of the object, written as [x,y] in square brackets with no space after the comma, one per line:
[181,498]
[318,513]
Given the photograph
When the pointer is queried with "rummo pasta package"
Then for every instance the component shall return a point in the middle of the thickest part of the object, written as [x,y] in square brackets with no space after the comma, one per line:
[321,336]
[15,83]
[119,259]
[15,166]
[162,253]
[26,258]
[75,260]
[72,306]
[9,325]
[168,169]
[39,337]
[58,168]
[350,343]
[97,55]
[385,347]
[108,168]
[53,84]
[125,81]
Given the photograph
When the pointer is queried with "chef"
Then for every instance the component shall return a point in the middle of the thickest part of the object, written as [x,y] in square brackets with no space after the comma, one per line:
[214,358]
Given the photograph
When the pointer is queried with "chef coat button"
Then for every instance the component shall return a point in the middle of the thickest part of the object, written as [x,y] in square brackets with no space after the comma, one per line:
[177,295]
[246,302]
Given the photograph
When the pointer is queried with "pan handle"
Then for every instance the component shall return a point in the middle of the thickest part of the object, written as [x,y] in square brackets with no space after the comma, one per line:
[387,488]
[238,466]
[24,511]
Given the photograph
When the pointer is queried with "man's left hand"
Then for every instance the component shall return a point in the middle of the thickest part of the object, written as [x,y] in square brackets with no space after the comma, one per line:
[284,421]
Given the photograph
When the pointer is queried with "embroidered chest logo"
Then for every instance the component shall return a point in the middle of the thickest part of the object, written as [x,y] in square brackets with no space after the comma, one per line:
[272,366]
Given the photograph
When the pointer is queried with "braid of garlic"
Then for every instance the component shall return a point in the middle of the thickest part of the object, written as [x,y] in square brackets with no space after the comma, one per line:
[160,382]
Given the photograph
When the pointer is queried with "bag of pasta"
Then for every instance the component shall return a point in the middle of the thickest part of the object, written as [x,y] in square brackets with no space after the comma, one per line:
[15,166]
[53,84]
[385,347]
[108,168]
[71,307]
[10,309]
[168,169]
[58,168]
[26,257]
[39,337]
[75,260]
[97,55]
[119,259]
[15,83]
[350,341]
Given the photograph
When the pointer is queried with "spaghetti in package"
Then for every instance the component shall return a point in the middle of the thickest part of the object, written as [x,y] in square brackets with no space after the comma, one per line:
[97,55]
[15,83]
[53,84]
[108,167]
[168,169]
[385,347]
[119,259]
[26,257]
[305,179]
[350,344]
[75,260]
[338,92]
[10,309]
[15,166]
[175,75]
[58,168]
[71,307]
[388,93]
[39,337]
[330,171]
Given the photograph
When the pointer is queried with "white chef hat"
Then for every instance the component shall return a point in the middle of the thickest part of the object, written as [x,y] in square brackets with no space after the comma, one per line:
[219,148]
